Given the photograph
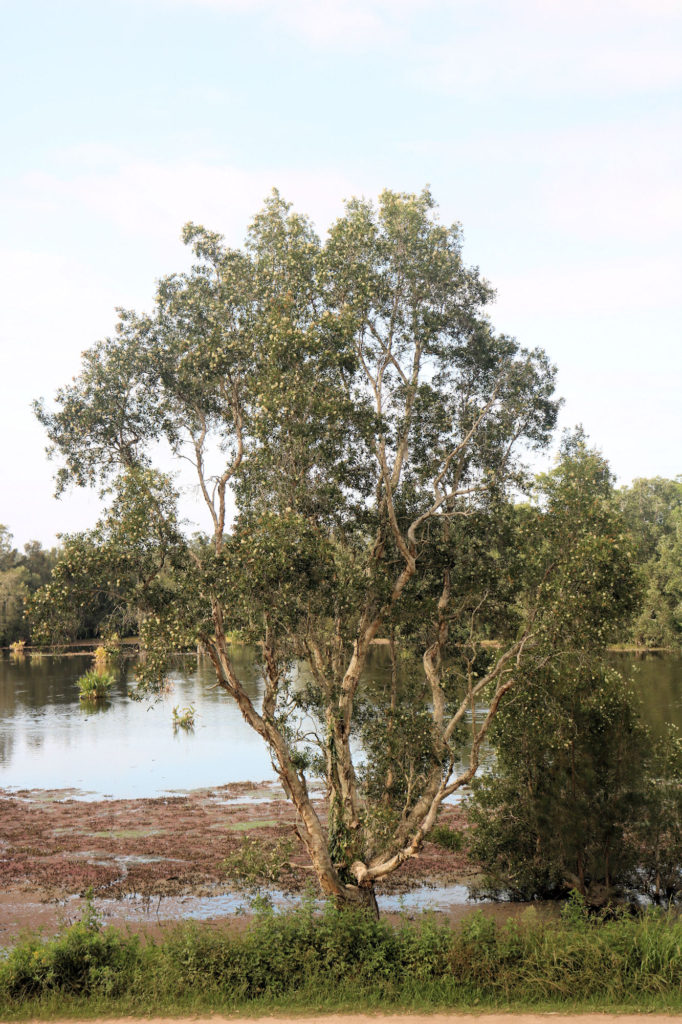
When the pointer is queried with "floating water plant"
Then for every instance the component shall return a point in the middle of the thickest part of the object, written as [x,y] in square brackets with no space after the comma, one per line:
[97,681]
[183,718]
[95,685]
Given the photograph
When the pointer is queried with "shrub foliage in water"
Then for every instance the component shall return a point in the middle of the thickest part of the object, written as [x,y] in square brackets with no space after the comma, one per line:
[95,684]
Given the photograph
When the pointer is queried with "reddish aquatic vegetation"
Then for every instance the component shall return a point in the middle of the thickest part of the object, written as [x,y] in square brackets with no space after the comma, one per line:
[54,847]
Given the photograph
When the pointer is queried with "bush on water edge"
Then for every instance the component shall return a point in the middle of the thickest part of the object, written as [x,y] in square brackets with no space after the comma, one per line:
[341,960]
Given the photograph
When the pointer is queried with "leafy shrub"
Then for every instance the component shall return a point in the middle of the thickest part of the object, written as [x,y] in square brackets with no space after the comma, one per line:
[448,838]
[559,811]
[254,863]
[658,832]
[83,961]
[343,959]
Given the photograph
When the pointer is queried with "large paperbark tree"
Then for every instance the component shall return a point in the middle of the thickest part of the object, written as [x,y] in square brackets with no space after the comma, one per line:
[355,425]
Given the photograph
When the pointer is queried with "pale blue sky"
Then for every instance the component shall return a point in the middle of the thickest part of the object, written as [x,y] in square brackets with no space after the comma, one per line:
[550,128]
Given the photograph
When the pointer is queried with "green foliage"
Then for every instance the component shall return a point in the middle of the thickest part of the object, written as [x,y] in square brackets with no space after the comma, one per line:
[351,401]
[113,578]
[647,505]
[95,685]
[653,513]
[658,830]
[13,596]
[347,960]
[448,838]
[559,810]
[20,576]
[84,961]
[256,864]
[591,589]
[281,565]
[183,718]
[396,731]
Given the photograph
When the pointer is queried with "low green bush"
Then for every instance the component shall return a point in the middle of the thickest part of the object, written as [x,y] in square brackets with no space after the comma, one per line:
[448,838]
[341,959]
[254,864]
[83,961]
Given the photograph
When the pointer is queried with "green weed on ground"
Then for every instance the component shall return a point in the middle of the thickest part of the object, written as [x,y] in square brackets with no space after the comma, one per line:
[340,960]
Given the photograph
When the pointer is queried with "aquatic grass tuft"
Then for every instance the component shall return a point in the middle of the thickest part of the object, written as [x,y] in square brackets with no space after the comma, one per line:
[183,718]
[95,685]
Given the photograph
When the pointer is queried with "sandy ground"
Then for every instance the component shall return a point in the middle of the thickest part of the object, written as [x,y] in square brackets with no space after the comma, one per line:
[160,852]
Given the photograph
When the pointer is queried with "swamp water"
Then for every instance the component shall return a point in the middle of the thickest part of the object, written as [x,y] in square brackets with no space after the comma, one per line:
[119,748]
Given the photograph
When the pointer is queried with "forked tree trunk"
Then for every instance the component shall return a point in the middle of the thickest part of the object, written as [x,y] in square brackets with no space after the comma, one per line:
[361,897]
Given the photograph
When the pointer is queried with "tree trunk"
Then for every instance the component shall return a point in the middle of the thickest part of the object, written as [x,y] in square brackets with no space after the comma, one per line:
[362,897]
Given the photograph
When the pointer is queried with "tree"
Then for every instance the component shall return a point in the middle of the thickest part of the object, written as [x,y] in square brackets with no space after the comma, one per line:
[105,580]
[13,594]
[653,513]
[20,576]
[647,505]
[561,809]
[353,401]
[659,831]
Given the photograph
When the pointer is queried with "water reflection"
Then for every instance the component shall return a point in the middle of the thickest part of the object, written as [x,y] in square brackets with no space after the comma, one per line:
[95,707]
[118,747]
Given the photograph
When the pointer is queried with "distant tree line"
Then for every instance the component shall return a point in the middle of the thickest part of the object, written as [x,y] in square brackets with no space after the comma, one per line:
[22,573]
[652,509]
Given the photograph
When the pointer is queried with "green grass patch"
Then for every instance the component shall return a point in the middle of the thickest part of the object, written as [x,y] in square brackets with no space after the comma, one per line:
[340,960]
[246,826]
[126,833]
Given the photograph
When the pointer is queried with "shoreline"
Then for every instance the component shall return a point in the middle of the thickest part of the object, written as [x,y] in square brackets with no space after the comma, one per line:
[87,646]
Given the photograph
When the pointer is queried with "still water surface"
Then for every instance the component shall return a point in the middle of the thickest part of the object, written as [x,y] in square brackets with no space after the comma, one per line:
[124,748]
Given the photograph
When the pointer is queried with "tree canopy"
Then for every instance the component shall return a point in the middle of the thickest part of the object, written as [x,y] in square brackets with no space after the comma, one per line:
[21,575]
[358,429]
[653,514]
[558,811]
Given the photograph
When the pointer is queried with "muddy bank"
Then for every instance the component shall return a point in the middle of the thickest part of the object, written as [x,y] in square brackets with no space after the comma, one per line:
[160,859]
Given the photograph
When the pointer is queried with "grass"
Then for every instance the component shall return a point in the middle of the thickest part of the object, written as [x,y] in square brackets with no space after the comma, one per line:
[121,833]
[183,718]
[246,826]
[94,685]
[340,961]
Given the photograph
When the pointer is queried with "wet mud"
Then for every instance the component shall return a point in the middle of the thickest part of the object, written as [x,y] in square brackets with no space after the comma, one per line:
[150,860]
